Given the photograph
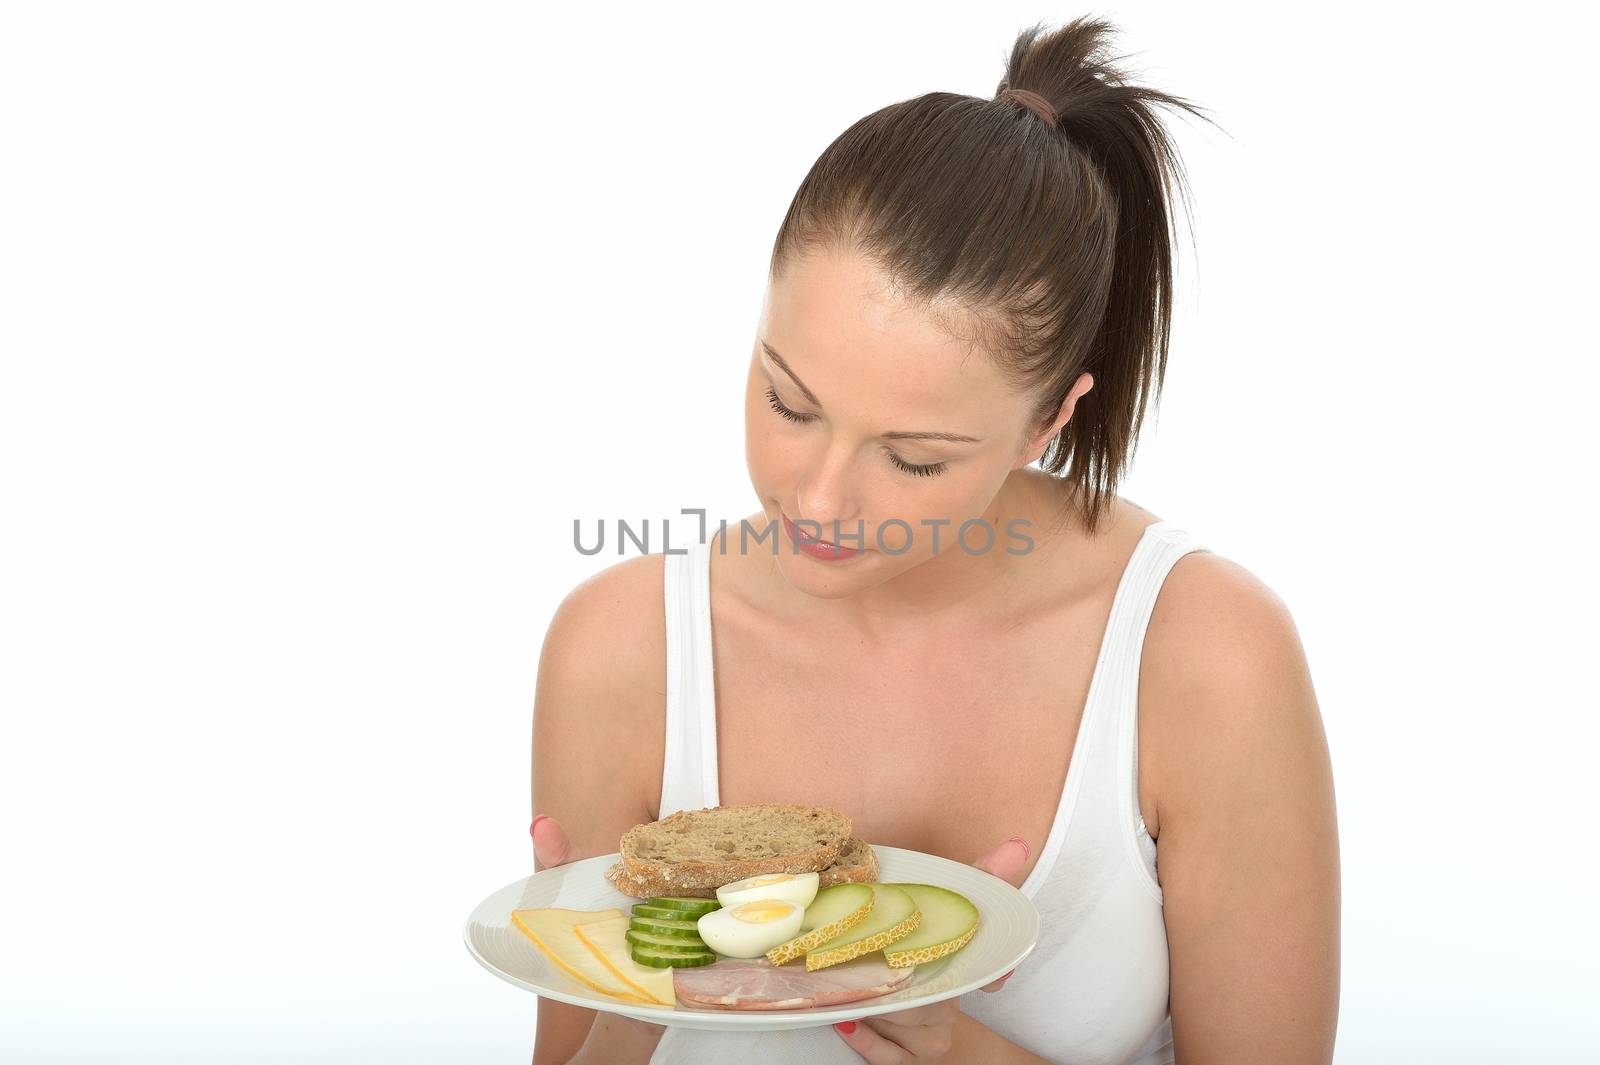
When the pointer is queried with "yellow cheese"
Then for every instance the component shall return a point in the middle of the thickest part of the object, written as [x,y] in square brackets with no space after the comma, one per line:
[607,940]
[552,930]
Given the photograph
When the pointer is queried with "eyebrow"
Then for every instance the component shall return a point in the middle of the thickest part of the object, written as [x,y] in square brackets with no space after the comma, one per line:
[956,438]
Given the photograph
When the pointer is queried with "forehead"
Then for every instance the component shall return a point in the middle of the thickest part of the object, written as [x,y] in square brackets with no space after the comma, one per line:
[837,321]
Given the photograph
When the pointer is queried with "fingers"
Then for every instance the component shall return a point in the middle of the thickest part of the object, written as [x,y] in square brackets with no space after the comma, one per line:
[905,1036]
[873,1048]
[997,984]
[550,843]
[884,1042]
[1007,861]
[936,1013]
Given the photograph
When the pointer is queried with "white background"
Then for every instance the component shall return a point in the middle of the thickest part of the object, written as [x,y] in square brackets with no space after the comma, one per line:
[321,323]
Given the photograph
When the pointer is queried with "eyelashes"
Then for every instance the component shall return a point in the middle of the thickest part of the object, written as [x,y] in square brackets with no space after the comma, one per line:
[915,470]
[785,412]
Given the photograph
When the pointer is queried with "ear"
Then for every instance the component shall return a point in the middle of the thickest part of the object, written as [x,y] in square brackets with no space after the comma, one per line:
[1035,445]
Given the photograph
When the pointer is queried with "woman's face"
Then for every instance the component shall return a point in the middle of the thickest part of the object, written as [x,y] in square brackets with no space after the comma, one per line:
[836,448]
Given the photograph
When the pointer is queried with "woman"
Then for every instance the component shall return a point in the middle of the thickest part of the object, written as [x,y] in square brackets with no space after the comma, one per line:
[963,288]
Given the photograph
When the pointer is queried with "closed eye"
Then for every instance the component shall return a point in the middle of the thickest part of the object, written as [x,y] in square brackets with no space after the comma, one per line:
[912,468]
[785,412]
[929,470]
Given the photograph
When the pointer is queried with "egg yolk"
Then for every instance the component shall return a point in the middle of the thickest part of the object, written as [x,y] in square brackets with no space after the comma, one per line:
[763,910]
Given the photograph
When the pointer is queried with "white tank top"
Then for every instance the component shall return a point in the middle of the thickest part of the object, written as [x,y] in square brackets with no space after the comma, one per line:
[1094,990]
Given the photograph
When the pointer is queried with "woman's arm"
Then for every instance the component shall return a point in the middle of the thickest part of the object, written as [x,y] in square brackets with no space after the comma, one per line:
[597,698]
[1248,843]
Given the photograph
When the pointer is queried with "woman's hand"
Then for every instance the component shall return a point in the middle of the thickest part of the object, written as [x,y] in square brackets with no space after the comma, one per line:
[927,1033]
[551,847]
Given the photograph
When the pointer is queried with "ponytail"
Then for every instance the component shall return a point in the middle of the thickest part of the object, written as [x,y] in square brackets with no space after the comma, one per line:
[1114,123]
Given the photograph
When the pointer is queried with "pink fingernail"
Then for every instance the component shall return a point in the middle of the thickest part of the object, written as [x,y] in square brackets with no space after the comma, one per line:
[536,821]
[1027,851]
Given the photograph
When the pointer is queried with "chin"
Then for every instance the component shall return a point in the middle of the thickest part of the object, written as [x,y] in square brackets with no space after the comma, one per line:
[818,580]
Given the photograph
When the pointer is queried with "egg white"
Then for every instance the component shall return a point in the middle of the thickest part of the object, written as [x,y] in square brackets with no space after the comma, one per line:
[725,933]
[797,889]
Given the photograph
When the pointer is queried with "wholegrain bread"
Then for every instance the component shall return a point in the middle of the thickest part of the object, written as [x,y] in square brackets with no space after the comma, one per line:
[707,848]
[719,844]
[856,863]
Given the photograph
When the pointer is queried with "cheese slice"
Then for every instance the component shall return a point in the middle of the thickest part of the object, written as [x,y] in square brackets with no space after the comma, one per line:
[552,930]
[607,940]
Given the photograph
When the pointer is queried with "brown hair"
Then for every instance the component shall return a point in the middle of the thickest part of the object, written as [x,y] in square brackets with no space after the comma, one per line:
[1048,245]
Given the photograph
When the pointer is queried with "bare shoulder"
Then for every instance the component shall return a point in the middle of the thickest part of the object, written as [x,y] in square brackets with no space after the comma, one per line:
[1223,680]
[1214,618]
[611,627]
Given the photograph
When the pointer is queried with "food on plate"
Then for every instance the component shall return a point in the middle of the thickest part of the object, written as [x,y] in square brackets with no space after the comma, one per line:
[855,863]
[604,938]
[750,929]
[949,921]
[797,889]
[663,933]
[594,960]
[674,906]
[893,916]
[733,897]
[760,985]
[834,910]
[694,852]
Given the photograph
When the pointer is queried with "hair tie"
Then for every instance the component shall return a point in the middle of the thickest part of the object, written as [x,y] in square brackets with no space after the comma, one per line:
[1035,103]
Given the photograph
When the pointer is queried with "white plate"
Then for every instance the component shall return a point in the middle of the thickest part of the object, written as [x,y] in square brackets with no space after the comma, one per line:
[1008,928]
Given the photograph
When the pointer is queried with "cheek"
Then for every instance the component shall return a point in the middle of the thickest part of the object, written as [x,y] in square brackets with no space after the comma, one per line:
[770,453]
[775,449]
[962,493]
[926,500]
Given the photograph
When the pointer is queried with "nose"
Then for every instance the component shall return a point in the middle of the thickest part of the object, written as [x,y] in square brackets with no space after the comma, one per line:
[827,491]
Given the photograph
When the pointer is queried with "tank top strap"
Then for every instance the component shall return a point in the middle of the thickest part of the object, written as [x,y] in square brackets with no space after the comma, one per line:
[689,769]
[1163,545]
[1089,815]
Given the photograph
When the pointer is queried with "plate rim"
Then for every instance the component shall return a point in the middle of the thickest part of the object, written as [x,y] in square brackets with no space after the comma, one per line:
[748,1020]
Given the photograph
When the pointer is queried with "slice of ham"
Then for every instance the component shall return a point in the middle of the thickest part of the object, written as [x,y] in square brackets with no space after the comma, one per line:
[757,984]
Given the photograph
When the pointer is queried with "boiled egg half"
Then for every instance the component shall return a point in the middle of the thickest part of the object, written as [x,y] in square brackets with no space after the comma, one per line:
[750,929]
[797,889]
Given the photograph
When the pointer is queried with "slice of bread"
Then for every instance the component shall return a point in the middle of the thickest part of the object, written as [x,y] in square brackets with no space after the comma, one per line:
[706,848]
[856,863]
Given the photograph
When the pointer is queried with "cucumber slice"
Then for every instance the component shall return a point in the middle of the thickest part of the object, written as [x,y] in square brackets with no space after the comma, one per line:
[684,902]
[666,913]
[672,944]
[662,927]
[662,959]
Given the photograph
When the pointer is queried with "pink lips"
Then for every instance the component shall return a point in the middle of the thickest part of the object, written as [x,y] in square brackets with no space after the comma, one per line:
[818,549]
